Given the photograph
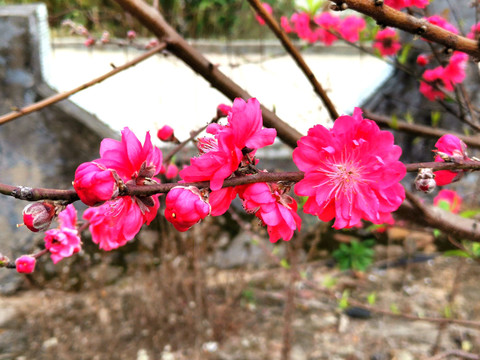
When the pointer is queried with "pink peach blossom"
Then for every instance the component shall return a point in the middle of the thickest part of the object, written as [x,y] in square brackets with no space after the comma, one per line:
[277,210]
[172,171]
[441,22]
[448,200]
[301,24]
[351,26]
[328,26]
[286,24]
[25,264]
[450,148]
[352,172]
[438,77]
[185,206]
[63,241]
[386,41]
[94,183]
[269,10]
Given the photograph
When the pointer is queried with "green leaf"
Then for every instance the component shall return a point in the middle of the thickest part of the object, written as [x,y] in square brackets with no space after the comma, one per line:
[469,213]
[394,309]
[447,311]
[409,118]
[329,282]
[284,263]
[343,302]
[457,252]
[372,298]
[437,233]
[402,58]
[444,205]
[394,122]
[436,116]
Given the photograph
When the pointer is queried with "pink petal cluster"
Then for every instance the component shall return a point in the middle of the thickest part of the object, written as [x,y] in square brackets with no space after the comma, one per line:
[328,26]
[441,22]
[301,26]
[351,27]
[444,77]
[185,206]
[386,41]
[25,264]
[64,241]
[223,110]
[119,220]
[286,24]
[449,148]
[400,4]
[474,31]
[38,216]
[269,10]
[277,210]
[448,200]
[352,172]
[232,146]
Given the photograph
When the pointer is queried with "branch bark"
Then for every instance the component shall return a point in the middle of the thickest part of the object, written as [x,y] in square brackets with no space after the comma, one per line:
[177,45]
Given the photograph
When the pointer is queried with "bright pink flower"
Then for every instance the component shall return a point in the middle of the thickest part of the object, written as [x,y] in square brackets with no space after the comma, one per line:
[301,23]
[328,25]
[64,241]
[185,206]
[25,264]
[396,4]
[221,199]
[352,172]
[474,31]
[351,26]
[277,210]
[386,41]
[172,171]
[223,110]
[449,148]
[131,34]
[418,3]
[422,60]
[231,145]
[152,43]
[441,22]
[269,10]
[119,220]
[94,183]
[286,24]
[38,216]
[455,70]
[436,77]
[448,200]
[165,133]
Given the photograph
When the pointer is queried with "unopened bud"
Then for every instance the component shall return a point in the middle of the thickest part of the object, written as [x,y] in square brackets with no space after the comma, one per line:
[165,133]
[131,34]
[4,260]
[425,180]
[25,264]
[38,216]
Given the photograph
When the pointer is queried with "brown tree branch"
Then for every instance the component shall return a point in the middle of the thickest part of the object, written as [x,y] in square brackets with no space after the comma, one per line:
[420,130]
[292,50]
[61,96]
[388,16]
[177,45]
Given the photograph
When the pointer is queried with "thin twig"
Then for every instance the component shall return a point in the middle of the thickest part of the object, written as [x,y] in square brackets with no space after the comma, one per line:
[292,50]
[61,96]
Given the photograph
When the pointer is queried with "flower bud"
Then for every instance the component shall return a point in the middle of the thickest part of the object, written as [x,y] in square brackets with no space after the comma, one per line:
[172,171]
[185,206]
[90,41]
[165,133]
[94,183]
[425,180]
[422,60]
[223,110]
[38,216]
[4,260]
[25,264]
[131,34]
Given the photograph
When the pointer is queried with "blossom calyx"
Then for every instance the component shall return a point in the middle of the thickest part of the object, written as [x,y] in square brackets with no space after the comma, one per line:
[185,206]
[39,215]
[25,264]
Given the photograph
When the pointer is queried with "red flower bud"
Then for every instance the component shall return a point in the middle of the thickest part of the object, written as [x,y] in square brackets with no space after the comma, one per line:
[38,216]
[165,133]
[25,264]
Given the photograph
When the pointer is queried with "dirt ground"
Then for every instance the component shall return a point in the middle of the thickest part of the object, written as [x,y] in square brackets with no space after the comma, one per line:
[182,308]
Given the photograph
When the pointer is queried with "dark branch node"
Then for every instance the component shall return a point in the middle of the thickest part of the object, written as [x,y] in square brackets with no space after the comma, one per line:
[23,193]
[378,2]
[422,30]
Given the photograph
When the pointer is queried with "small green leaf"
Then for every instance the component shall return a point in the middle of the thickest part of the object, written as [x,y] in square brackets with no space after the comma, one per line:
[447,312]
[329,282]
[437,233]
[469,213]
[456,252]
[372,298]
[402,59]
[394,309]
[436,115]
[409,118]
[284,263]
[394,122]
[343,303]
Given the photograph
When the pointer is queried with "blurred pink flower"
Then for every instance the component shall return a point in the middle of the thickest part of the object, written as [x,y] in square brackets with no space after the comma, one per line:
[396,4]
[448,200]
[386,41]
[422,60]
[89,41]
[277,210]
[185,206]
[351,26]
[301,24]
[64,241]
[328,26]
[449,148]
[438,77]
[131,34]
[455,70]
[165,133]
[352,172]
[474,31]
[441,22]
[25,264]
[286,24]
[269,10]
